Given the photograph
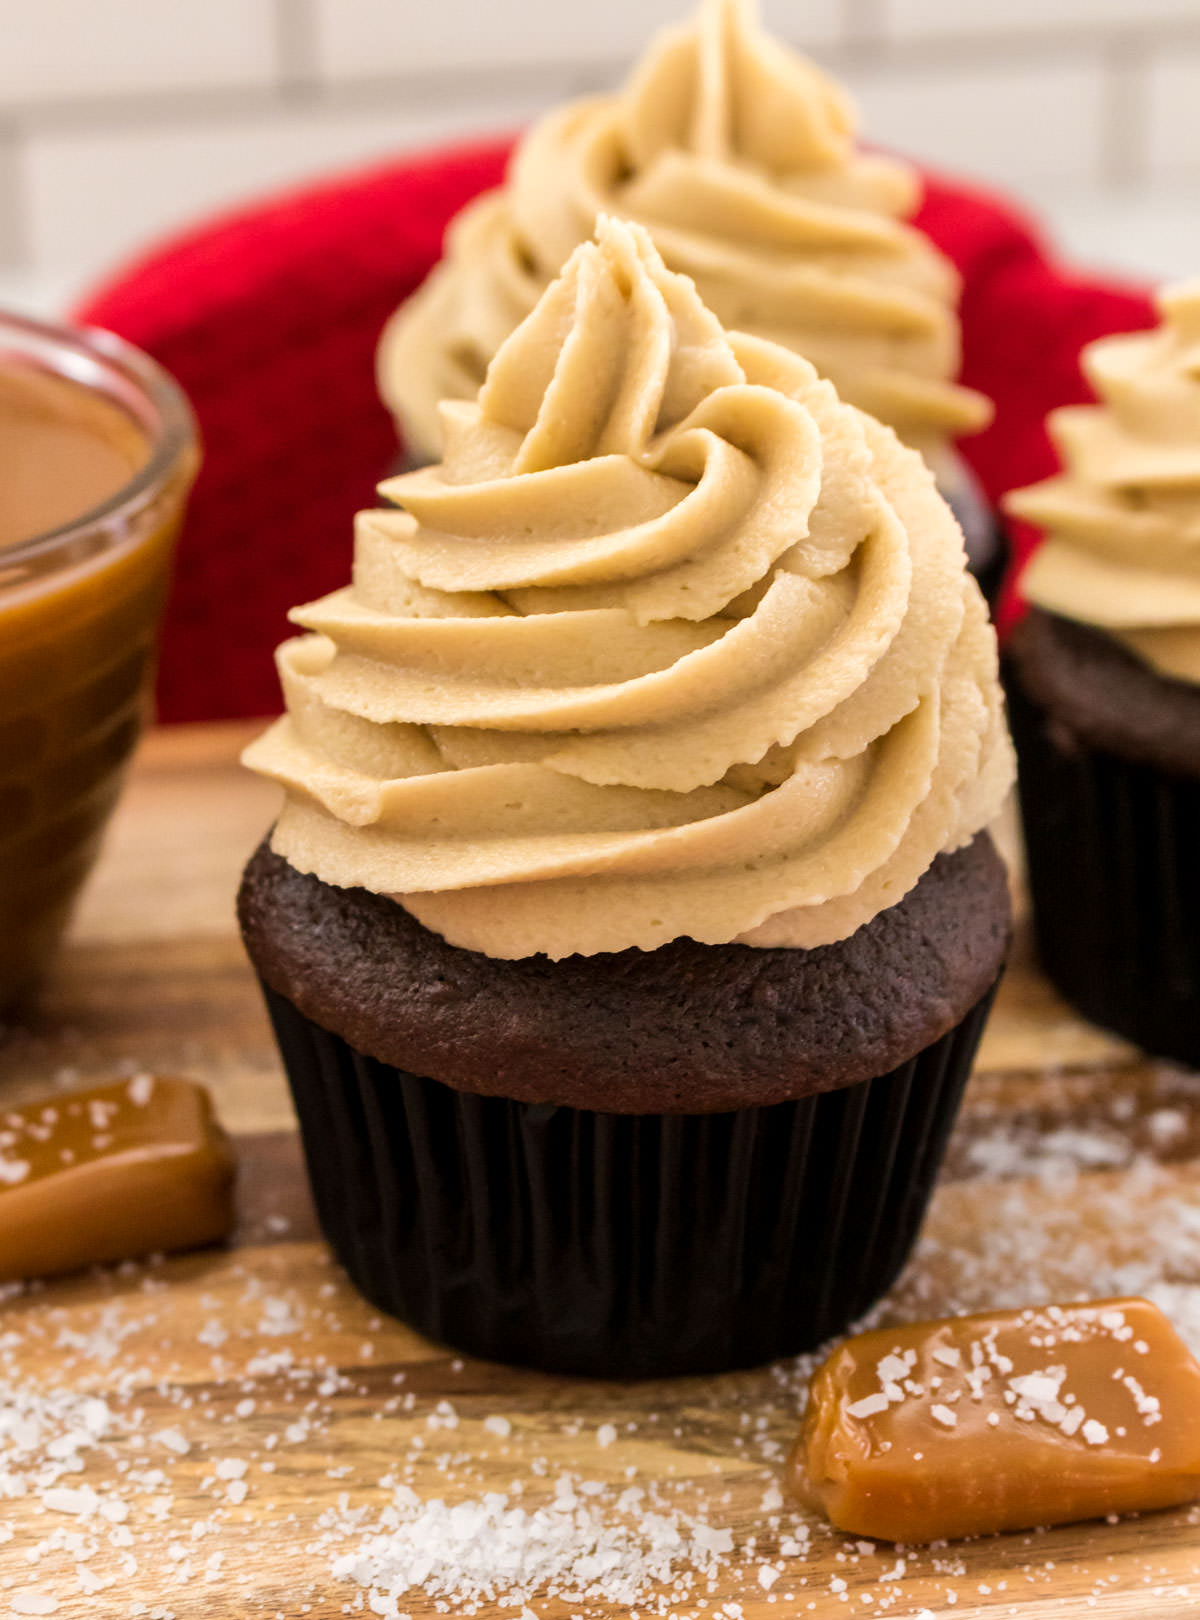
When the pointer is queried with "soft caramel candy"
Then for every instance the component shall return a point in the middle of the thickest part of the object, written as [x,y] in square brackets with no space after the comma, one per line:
[123,1170]
[1002,1421]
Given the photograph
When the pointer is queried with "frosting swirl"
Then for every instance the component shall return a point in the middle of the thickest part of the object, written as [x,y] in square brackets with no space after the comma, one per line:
[671,643]
[739,156]
[1122,521]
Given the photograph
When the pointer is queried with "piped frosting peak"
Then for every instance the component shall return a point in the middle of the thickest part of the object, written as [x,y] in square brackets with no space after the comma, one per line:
[671,643]
[1122,520]
[739,155]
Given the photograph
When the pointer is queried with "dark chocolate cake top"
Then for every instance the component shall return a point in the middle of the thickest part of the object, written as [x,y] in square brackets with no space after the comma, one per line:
[686,1028]
[1100,693]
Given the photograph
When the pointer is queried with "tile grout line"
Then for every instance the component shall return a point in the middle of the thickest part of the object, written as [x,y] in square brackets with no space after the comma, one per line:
[296,50]
[1125,128]
[864,30]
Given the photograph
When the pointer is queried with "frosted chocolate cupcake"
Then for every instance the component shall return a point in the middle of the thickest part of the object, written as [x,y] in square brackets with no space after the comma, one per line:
[629,926]
[739,156]
[1105,689]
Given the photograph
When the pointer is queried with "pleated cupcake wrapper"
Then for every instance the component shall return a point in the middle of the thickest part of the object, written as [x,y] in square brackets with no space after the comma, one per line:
[619,1245]
[1113,848]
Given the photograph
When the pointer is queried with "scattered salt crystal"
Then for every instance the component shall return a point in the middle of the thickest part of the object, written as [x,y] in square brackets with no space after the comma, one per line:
[13,1171]
[1166,1125]
[767,1576]
[60,1499]
[230,1468]
[488,1548]
[772,1499]
[948,1355]
[1094,1433]
[606,1434]
[891,1369]
[869,1406]
[237,1491]
[27,1600]
[944,1416]
[1038,1387]
[174,1441]
[140,1089]
[499,1426]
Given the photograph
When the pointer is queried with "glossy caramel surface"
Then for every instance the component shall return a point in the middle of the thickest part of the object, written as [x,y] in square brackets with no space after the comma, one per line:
[63,451]
[118,1171]
[78,630]
[1002,1421]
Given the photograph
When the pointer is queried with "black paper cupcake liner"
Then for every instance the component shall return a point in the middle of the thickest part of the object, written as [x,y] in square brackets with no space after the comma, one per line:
[1113,849]
[619,1245]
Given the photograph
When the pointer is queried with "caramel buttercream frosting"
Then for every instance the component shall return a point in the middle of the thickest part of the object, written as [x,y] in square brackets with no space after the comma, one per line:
[1122,521]
[739,156]
[672,643]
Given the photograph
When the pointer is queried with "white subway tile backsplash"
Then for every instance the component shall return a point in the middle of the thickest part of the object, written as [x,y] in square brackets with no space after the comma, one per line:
[121,120]
[58,49]
[1006,123]
[1174,141]
[1153,236]
[912,19]
[359,39]
[96,196]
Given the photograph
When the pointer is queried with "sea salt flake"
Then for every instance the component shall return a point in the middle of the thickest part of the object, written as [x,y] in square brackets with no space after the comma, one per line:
[28,1600]
[891,1369]
[1038,1388]
[1094,1433]
[61,1499]
[944,1416]
[869,1406]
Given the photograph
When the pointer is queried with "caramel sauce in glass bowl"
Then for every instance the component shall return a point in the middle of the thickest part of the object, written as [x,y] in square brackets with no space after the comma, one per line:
[98,451]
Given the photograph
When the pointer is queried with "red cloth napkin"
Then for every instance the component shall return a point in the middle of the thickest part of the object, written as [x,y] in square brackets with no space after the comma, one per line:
[269,318]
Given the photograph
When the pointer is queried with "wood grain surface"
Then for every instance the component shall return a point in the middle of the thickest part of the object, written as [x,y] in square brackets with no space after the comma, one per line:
[214,1435]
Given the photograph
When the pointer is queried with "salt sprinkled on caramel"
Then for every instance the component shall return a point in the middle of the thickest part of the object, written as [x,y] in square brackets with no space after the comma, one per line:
[1031,1440]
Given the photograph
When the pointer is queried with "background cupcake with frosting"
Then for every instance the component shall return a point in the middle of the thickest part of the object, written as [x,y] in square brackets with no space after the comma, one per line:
[739,156]
[630,923]
[1105,688]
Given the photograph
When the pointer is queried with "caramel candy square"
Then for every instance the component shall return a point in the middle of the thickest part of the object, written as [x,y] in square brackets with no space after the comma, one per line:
[1002,1421]
[129,1169]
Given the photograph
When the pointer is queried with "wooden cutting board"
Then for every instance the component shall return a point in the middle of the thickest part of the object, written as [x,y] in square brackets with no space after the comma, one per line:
[211,1435]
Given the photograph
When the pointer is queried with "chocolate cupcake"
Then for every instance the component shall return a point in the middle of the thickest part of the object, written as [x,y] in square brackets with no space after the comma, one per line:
[629,927]
[739,156]
[1104,687]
